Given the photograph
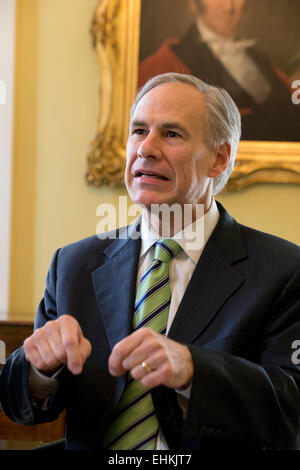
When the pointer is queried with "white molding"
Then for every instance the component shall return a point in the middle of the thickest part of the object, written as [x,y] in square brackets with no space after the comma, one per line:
[7,59]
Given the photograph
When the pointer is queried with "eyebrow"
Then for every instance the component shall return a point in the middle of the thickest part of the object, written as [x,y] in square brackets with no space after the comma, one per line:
[164,125]
[137,123]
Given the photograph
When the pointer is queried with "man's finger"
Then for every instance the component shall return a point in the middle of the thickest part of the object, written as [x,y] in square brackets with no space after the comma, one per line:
[152,379]
[52,333]
[85,348]
[143,351]
[122,349]
[71,335]
[32,354]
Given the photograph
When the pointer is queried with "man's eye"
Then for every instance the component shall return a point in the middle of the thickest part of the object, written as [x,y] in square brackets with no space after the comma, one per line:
[172,134]
[138,131]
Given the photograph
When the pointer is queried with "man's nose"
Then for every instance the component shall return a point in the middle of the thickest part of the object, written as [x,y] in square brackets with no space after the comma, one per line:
[150,147]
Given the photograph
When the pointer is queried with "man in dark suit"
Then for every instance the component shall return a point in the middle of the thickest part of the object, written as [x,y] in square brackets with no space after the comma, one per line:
[210,50]
[224,375]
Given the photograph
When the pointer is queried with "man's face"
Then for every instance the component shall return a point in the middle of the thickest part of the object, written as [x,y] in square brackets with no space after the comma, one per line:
[168,160]
[222,16]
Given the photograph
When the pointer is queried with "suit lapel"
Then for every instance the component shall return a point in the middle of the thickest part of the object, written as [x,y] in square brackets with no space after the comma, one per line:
[214,280]
[114,284]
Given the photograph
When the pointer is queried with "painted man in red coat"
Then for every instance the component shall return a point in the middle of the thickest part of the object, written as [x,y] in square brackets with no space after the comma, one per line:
[210,50]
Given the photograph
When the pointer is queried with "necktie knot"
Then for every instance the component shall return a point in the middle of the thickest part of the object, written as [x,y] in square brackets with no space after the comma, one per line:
[165,249]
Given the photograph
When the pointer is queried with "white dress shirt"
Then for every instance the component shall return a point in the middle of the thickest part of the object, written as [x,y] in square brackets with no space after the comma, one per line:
[181,270]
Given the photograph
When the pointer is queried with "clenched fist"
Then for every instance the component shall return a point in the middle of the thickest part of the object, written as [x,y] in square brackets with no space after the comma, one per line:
[153,359]
[58,342]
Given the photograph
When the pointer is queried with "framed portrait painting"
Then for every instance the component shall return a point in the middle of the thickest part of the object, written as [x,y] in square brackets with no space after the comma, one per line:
[249,47]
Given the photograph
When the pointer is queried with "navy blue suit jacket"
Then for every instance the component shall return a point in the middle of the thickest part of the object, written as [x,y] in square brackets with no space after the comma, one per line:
[239,316]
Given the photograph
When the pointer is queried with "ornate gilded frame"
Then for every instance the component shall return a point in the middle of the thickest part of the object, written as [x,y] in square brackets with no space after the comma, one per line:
[115,31]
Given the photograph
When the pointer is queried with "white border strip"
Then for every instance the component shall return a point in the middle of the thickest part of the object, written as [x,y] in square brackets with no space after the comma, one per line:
[7,59]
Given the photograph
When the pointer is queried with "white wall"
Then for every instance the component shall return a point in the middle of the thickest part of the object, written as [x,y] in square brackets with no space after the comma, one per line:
[7,53]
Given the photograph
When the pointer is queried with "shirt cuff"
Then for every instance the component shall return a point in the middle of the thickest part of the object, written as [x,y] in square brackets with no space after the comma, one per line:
[183,397]
[42,386]
[186,392]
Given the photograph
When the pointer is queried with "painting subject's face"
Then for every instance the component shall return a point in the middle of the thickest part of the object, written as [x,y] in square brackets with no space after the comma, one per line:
[222,16]
[168,160]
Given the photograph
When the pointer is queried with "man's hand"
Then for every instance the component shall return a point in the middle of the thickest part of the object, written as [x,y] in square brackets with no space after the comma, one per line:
[171,363]
[58,342]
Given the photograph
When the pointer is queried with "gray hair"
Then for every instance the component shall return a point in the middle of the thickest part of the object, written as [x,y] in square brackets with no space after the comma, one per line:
[223,117]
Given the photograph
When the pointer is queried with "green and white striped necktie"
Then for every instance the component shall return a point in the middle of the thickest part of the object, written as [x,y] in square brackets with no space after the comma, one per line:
[135,425]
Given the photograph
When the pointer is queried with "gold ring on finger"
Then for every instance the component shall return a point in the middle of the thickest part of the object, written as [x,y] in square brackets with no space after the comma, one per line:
[146,367]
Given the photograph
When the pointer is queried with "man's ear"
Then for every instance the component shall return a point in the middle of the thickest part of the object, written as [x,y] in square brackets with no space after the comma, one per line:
[222,158]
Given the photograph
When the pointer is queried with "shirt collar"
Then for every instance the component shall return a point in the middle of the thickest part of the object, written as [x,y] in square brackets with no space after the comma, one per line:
[192,239]
[216,41]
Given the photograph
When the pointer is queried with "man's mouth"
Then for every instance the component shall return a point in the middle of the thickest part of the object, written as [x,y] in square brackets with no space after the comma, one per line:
[143,174]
